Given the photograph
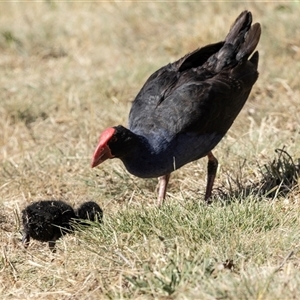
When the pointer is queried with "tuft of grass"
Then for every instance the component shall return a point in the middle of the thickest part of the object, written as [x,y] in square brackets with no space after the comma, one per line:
[278,178]
[281,175]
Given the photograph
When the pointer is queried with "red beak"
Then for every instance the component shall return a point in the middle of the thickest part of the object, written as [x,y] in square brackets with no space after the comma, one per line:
[102,151]
[101,154]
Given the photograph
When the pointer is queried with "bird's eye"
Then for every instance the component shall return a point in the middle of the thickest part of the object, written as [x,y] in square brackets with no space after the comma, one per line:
[113,139]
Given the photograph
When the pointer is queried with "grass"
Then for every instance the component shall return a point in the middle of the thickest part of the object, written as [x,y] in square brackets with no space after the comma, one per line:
[67,71]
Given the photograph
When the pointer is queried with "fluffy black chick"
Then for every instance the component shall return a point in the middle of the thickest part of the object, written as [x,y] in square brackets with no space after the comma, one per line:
[46,221]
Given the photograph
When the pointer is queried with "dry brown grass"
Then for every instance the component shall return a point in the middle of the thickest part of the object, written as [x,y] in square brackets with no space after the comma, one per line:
[68,70]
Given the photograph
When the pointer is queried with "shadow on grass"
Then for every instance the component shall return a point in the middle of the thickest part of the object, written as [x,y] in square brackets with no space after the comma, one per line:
[279,178]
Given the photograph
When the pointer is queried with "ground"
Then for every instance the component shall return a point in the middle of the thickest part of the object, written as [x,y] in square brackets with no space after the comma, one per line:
[67,71]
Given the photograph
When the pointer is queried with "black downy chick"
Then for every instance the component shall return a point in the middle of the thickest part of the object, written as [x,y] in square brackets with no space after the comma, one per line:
[46,221]
[49,220]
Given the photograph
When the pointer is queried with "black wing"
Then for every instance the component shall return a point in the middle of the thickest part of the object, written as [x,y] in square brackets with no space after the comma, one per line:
[204,91]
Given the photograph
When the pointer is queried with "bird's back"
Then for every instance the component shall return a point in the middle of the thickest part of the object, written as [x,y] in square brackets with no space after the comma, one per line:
[45,220]
[201,93]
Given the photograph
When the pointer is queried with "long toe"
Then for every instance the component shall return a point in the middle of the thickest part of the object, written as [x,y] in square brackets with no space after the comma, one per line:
[52,246]
[26,240]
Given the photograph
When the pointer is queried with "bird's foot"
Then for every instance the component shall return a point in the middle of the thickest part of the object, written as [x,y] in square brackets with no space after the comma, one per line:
[52,246]
[26,240]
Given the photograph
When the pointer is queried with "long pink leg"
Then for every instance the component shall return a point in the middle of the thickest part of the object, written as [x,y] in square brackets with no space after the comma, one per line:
[212,167]
[162,188]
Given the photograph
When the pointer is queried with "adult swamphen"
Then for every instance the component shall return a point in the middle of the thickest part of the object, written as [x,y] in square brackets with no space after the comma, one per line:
[185,108]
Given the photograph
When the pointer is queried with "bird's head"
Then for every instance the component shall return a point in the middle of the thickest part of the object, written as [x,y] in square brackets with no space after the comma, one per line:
[113,142]
[90,210]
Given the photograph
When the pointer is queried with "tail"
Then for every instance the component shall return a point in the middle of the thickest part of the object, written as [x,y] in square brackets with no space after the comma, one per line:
[240,42]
